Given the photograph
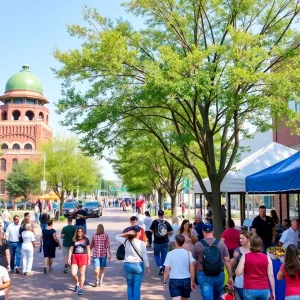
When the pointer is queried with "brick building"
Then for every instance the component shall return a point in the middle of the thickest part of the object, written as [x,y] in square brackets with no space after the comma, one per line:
[24,122]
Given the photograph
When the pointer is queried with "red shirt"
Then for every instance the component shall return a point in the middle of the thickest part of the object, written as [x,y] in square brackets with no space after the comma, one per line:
[232,238]
[100,244]
[256,271]
[142,237]
[292,285]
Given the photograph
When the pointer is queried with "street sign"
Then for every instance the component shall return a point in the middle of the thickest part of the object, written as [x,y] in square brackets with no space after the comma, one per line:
[123,189]
[116,189]
[186,183]
[43,185]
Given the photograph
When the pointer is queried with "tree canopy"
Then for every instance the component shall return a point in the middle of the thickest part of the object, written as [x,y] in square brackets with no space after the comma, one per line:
[207,68]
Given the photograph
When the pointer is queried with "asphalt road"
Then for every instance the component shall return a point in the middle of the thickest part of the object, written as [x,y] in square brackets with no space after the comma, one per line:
[57,285]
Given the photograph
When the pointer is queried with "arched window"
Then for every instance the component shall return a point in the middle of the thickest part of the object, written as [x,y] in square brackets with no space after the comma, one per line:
[16,147]
[41,116]
[3,165]
[14,161]
[29,115]
[28,147]
[4,147]
[2,187]
[16,115]
[4,116]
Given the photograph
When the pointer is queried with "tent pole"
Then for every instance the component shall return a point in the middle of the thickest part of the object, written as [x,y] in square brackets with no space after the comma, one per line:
[248,210]
[280,207]
[298,204]
[288,205]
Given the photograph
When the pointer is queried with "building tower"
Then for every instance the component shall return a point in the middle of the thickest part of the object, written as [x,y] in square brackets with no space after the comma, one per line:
[24,122]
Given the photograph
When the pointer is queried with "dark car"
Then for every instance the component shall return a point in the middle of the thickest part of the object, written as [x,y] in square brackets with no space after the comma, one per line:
[167,206]
[93,209]
[69,208]
[21,205]
[8,205]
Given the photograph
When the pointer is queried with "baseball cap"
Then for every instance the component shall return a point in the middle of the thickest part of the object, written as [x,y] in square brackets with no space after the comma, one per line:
[136,228]
[207,227]
[160,212]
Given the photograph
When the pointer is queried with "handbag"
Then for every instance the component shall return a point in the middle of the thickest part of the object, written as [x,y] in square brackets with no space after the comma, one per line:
[121,251]
[136,251]
[56,244]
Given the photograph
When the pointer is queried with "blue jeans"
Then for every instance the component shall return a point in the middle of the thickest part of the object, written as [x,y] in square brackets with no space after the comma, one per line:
[83,226]
[134,273]
[15,253]
[210,286]
[160,253]
[256,294]
[43,226]
[37,218]
[292,298]
[6,223]
[240,292]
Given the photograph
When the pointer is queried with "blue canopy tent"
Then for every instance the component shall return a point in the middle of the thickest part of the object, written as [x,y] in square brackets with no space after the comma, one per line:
[283,177]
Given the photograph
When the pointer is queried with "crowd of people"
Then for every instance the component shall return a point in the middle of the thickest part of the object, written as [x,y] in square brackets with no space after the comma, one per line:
[186,254]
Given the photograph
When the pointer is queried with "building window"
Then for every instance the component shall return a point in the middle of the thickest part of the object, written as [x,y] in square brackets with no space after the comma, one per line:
[30,101]
[40,102]
[16,147]
[16,115]
[41,116]
[3,165]
[4,147]
[29,115]
[7,101]
[18,100]
[14,161]
[28,147]
[2,187]
[4,116]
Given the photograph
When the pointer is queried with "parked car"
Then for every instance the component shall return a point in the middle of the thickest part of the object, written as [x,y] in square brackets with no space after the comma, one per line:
[8,205]
[167,206]
[69,208]
[93,209]
[21,205]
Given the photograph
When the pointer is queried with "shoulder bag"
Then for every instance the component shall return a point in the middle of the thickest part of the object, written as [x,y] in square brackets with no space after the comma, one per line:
[136,252]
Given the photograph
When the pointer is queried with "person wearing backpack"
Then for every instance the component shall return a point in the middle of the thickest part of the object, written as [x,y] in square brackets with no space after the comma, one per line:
[211,254]
[162,230]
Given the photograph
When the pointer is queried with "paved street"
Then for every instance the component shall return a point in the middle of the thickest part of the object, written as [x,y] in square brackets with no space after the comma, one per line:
[58,285]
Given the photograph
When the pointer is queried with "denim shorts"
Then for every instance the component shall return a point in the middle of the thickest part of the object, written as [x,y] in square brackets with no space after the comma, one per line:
[180,287]
[257,294]
[99,262]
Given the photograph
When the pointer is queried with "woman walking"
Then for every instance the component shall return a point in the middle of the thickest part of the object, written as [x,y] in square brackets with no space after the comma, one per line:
[147,222]
[101,251]
[238,253]
[189,236]
[258,272]
[4,252]
[135,259]
[290,271]
[28,248]
[49,242]
[79,258]
[231,237]
[179,266]
[44,218]
[175,226]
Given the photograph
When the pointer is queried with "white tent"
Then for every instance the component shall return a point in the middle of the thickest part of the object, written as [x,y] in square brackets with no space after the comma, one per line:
[234,180]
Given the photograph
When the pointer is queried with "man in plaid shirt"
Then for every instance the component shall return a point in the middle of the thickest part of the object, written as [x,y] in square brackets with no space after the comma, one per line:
[101,251]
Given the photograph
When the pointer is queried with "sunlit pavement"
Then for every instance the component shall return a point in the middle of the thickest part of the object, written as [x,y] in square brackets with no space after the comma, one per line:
[57,285]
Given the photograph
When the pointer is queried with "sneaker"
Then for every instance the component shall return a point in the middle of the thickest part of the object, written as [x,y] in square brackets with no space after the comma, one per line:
[17,270]
[79,292]
[96,283]
[76,289]
[65,270]
[161,271]
[100,283]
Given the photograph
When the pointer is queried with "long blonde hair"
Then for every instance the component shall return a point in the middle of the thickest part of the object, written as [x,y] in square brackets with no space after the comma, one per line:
[100,229]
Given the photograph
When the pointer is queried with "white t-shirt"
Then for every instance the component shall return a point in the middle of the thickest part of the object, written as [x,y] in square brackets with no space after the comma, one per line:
[289,237]
[12,232]
[178,260]
[28,238]
[6,216]
[4,277]
[147,221]
[140,220]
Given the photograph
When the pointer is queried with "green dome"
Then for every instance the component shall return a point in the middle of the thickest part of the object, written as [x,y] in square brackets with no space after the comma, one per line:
[24,80]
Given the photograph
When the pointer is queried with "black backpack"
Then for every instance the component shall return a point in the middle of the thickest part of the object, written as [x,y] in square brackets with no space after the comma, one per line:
[121,251]
[161,229]
[212,259]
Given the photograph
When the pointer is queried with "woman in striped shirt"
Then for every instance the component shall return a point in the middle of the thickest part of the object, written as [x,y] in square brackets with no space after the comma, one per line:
[101,251]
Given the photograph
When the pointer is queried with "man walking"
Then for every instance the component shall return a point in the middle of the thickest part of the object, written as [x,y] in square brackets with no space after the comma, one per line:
[264,227]
[80,217]
[211,254]
[67,235]
[162,230]
[12,235]
[134,222]
[198,225]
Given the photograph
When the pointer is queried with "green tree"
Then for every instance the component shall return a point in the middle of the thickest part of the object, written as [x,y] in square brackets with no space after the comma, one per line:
[67,165]
[20,182]
[205,67]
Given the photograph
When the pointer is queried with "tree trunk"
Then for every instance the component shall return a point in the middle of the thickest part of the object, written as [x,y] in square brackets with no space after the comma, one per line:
[174,205]
[215,203]
[160,199]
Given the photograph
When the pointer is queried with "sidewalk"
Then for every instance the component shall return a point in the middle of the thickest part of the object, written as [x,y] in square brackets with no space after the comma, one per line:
[58,285]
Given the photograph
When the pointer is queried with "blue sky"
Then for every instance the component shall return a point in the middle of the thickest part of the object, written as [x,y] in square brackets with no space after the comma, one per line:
[29,32]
